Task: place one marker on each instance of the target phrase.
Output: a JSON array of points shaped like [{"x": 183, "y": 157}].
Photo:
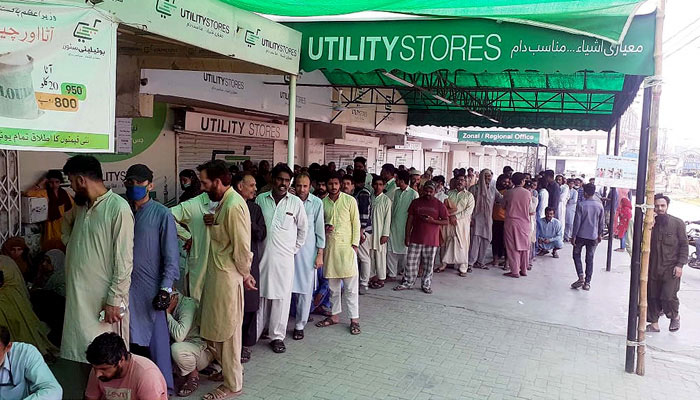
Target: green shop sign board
[
  {"x": 474, "y": 45},
  {"x": 529, "y": 138},
  {"x": 215, "y": 26}
]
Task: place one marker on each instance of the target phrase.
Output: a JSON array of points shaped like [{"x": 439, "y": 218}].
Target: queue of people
[{"x": 155, "y": 297}]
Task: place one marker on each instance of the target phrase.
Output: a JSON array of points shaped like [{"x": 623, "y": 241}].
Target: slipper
[
  {"x": 511, "y": 275},
  {"x": 355, "y": 328},
  {"x": 427, "y": 290},
  {"x": 650, "y": 328},
  {"x": 481, "y": 266},
  {"x": 221, "y": 393},
  {"x": 298, "y": 334},
  {"x": 326, "y": 322},
  {"x": 245, "y": 355},
  {"x": 401, "y": 287},
  {"x": 278, "y": 346},
  {"x": 187, "y": 388},
  {"x": 469, "y": 269},
  {"x": 463, "y": 274}
]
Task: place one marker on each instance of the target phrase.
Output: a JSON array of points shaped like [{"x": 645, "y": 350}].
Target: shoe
[
  {"x": 469, "y": 269},
  {"x": 278, "y": 346},
  {"x": 675, "y": 325},
  {"x": 586, "y": 286},
  {"x": 578, "y": 283},
  {"x": 555, "y": 255},
  {"x": 363, "y": 290},
  {"x": 427, "y": 290},
  {"x": 650, "y": 328}
]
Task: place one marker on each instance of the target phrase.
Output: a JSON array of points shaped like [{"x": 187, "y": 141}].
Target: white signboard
[
  {"x": 616, "y": 171},
  {"x": 123, "y": 133},
  {"x": 358, "y": 140},
  {"x": 216, "y": 26},
  {"x": 410, "y": 146},
  {"x": 57, "y": 78},
  {"x": 230, "y": 126},
  {"x": 266, "y": 93}
]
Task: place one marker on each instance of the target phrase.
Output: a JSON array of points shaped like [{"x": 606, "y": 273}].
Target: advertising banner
[
  {"x": 57, "y": 78},
  {"x": 616, "y": 171},
  {"x": 215, "y": 26},
  {"x": 222, "y": 125}
]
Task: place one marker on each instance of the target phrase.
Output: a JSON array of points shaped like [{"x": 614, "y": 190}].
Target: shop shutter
[
  {"x": 9, "y": 195},
  {"x": 194, "y": 150},
  {"x": 343, "y": 155},
  {"x": 400, "y": 157}
]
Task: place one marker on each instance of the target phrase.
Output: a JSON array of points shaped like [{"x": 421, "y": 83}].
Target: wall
[{"x": 153, "y": 145}]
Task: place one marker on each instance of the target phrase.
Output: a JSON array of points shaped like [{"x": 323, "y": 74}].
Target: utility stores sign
[
  {"x": 495, "y": 137},
  {"x": 230, "y": 126}
]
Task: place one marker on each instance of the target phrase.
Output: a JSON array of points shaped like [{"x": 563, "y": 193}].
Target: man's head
[
  {"x": 403, "y": 179},
  {"x": 215, "y": 178},
  {"x": 189, "y": 178},
  {"x": 302, "y": 185},
  {"x": 661, "y": 203},
  {"x": 549, "y": 175},
  {"x": 245, "y": 185},
  {"x": 360, "y": 164},
  {"x": 138, "y": 182},
  {"x": 320, "y": 189},
  {"x": 487, "y": 176},
  {"x": 378, "y": 185},
  {"x": 281, "y": 179},
  {"x": 548, "y": 213},
  {"x": 439, "y": 182},
  {"x": 428, "y": 190},
  {"x": 358, "y": 178},
  {"x": 388, "y": 172},
  {"x": 83, "y": 172},
  {"x": 108, "y": 356},
  {"x": 470, "y": 172},
  {"x": 518, "y": 179},
  {"x": 331, "y": 166},
  {"x": 588, "y": 190},
  {"x": 348, "y": 184},
  {"x": 560, "y": 180},
  {"x": 263, "y": 167},
  {"x": 592, "y": 181},
  {"x": 54, "y": 178},
  {"x": 534, "y": 184},
  {"x": 455, "y": 172},
  {"x": 570, "y": 183},
  {"x": 5, "y": 343},
  {"x": 460, "y": 183},
  {"x": 247, "y": 165},
  {"x": 333, "y": 184},
  {"x": 415, "y": 177},
  {"x": 508, "y": 170},
  {"x": 349, "y": 170}
]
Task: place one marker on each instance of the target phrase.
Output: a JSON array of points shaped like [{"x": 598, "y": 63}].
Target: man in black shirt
[{"x": 553, "y": 189}]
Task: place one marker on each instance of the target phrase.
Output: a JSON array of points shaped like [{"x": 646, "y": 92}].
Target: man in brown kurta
[
  {"x": 669, "y": 252},
  {"x": 227, "y": 273}
]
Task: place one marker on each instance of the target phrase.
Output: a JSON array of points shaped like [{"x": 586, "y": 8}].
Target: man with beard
[
  {"x": 99, "y": 238},
  {"x": 415, "y": 179},
  {"x": 388, "y": 173},
  {"x": 245, "y": 186},
  {"x": 310, "y": 257},
  {"x": 348, "y": 187},
  {"x": 484, "y": 193},
  {"x": 517, "y": 227},
  {"x": 228, "y": 271},
  {"x": 118, "y": 374},
  {"x": 361, "y": 165},
  {"x": 342, "y": 220},
  {"x": 460, "y": 205},
  {"x": 364, "y": 205},
  {"x": 319, "y": 187},
  {"x": 156, "y": 268},
  {"x": 669, "y": 252},
  {"x": 285, "y": 220}
]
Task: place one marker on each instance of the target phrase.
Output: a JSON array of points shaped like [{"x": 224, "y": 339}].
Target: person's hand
[
  {"x": 188, "y": 245},
  {"x": 406, "y": 242},
  {"x": 112, "y": 314},
  {"x": 383, "y": 239},
  {"x": 329, "y": 229},
  {"x": 173, "y": 303},
  {"x": 249, "y": 282},
  {"x": 453, "y": 220},
  {"x": 600, "y": 239},
  {"x": 319, "y": 261},
  {"x": 428, "y": 219},
  {"x": 363, "y": 237},
  {"x": 354, "y": 248},
  {"x": 677, "y": 272},
  {"x": 546, "y": 241},
  {"x": 209, "y": 219},
  {"x": 162, "y": 300}
]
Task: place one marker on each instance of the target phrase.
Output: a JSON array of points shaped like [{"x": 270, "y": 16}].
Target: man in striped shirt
[{"x": 364, "y": 204}]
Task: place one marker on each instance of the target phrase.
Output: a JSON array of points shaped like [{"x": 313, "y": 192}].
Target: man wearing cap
[
  {"x": 415, "y": 179},
  {"x": 156, "y": 268}
]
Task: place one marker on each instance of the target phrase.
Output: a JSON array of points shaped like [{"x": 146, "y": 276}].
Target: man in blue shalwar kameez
[{"x": 156, "y": 268}]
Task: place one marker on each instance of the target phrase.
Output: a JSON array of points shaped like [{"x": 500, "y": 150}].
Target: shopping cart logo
[
  {"x": 84, "y": 32},
  {"x": 251, "y": 38},
  {"x": 165, "y": 7}
]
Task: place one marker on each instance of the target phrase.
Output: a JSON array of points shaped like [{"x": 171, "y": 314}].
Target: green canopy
[{"x": 606, "y": 19}]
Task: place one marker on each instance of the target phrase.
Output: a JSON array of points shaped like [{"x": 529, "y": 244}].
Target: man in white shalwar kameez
[
  {"x": 460, "y": 205},
  {"x": 285, "y": 220},
  {"x": 310, "y": 257},
  {"x": 381, "y": 222},
  {"x": 485, "y": 194}
]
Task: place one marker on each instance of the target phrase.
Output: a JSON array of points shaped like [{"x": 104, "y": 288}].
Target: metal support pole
[
  {"x": 633, "y": 310},
  {"x": 613, "y": 201},
  {"x": 537, "y": 160},
  {"x": 546, "y": 153},
  {"x": 292, "y": 120}
]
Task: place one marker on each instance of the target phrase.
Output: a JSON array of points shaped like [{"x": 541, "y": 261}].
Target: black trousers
[
  {"x": 250, "y": 329},
  {"x": 662, "y": 295},
  {"x": 498, "y": 242}
]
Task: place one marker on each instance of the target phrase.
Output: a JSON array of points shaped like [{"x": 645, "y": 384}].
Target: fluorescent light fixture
[
  {"x": 444, "y": 100},
  {"x": 478, "y": 114},
  {"x": 397, "y": 79}
]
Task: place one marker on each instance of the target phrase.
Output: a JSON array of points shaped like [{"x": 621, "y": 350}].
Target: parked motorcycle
[{"x": 693, "y": 234}]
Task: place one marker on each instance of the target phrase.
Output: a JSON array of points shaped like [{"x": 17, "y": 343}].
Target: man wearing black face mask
[
  {"x": 156, "y": 268},
  {"x": 669, "y": 252}
]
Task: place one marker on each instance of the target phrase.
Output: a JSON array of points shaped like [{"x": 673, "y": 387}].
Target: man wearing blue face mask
[{"x": 156, "y": 268}]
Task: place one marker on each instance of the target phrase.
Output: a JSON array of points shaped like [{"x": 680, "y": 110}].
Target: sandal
[
  {"x": 469, "y": 269},
  {"x": 278, "y": 346},
  {"x": 512, "y": 275},
  {"x": 440, "y": 268},
  {"x": 401, "y": 287},
  {"x": 650, "y": 328},
  {"x": 427, "y": 290},
  {"x": 326, "y": 322},
  {"x": 355, "y": 328},
  {"x": 221, "y": 393},
  {"x": 463, "y": 274},
  {"x": 298, "y": 335},
  {"x": 245, "y": 354},
  {"x": 481, "y": 266},
  {"x": 187, "y": 388}
]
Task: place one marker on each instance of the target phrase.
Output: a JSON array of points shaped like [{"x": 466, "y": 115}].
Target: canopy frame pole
[
  {"x": 537, "y": 160},
  {"x": 613, "y": 201},
  {"x": 292, "y": 120},
  {"x": 655, "y": 83}
]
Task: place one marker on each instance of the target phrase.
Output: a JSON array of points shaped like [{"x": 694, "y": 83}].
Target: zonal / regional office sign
[{"x": 528, "y": 138}]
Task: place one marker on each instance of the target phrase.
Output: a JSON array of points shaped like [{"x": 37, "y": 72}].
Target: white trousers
[
  {"x": 477, "y": 251},
  {"x": 351, "y": 289},
  {"x": 275, "y": 313},
  {"x": 189, "y": 357},
  {"x": 364, "y": 260},
  {"x": 303, "y": 310},
  {"x": 395, "y": 263},
  {"x": 378, "y": 266}
]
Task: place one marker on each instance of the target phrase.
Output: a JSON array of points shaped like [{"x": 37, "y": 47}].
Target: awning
[
  {"x": 607, "y": 19},
  {"x": 477, "y": 72}
]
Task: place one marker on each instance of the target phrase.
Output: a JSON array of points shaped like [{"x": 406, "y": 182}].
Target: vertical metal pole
[
  {"x": 537, "y": 160},
  {"x": 546, "y": 153},
  {"x": 633, "y": 310},
  {"x": 613, "y": 201},
  {"x": 292, "y": 120}
]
